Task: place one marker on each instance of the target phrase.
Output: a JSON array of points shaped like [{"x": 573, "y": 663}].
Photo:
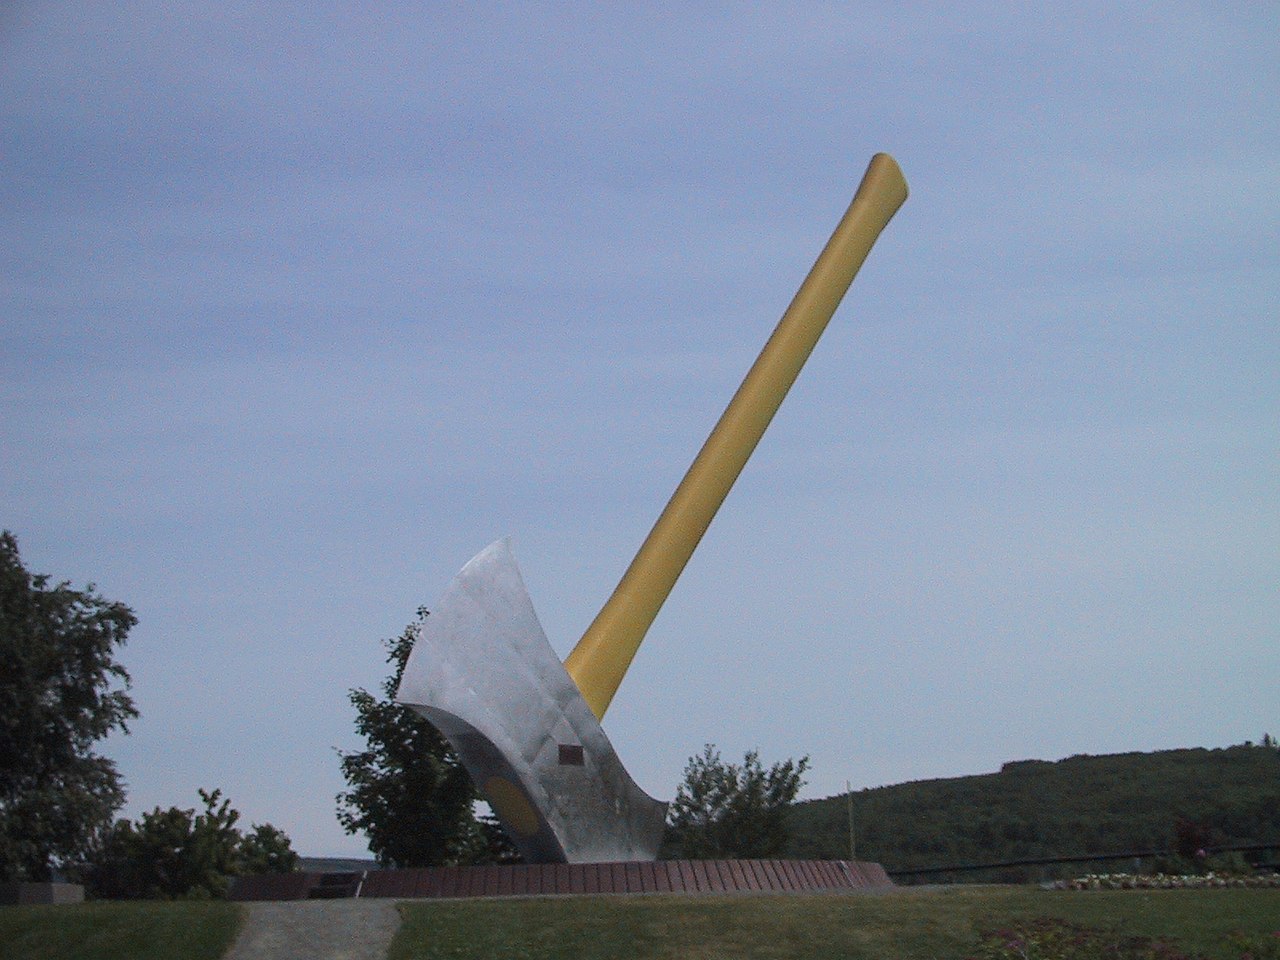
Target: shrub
[{"x": 177, "y": 854}]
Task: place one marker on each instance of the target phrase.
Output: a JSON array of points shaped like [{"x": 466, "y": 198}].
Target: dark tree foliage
[
  {"x": 178, "y": 854},
  {"x": 61, "y": 691},
  {"x": 266, "y": 849},
  {"x": 407, "y": 791},
  {"x": 733, "y": 810}
]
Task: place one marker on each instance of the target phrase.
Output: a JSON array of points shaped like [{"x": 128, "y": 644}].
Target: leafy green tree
[
  {"x": 407, "y": 792},
  {"x": 733, "y": 810},
  {"x": 179, "y": 854},
  {"x": 266, "y": 849},
  {"x": 61, "y": 691}
]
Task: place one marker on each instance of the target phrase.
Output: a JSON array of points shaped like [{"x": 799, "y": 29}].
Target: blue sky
[{"x": 304, "y": 304}]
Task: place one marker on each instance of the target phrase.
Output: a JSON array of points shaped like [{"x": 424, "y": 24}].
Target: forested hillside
[{"x": 1036, "y": 808}]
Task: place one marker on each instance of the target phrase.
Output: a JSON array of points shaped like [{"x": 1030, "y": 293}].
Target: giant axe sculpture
[{"x": 525, "y": 726}]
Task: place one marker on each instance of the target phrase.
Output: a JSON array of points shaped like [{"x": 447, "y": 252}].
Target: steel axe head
[{"x": 483, "y": 673}]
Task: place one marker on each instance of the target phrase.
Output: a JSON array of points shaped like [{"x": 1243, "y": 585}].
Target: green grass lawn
[
  {"x": 896, "y": 926},
  {"x": 119, "y": 931},
  {"x": 902, "y": 924}
]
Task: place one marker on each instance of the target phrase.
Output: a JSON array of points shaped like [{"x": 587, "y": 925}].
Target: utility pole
[{"x": 853, "y": 847}]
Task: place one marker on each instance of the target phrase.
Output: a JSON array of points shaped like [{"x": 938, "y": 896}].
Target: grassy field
[
  {"x": 119, "y": 931},
  {"x": 896, "y": 926}
]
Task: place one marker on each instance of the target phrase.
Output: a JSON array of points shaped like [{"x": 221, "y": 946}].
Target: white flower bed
[{"x": 1164, "y": 881}]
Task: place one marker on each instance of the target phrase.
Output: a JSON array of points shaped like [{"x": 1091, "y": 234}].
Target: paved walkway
[{"x": 316, "y": 930}]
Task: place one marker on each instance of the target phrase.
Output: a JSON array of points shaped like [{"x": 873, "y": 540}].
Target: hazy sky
[{"x": 304, "y": 304}]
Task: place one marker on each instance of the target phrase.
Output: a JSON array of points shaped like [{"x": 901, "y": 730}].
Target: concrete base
[
  {"x": 559, "y": 879},
  {"x": 31, "y": 893}
]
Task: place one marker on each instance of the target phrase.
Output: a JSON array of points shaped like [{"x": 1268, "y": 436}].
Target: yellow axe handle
[{"x": 601, "y": 658}]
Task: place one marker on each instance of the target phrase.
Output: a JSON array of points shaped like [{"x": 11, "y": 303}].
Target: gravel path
[{"x": 317, "y": 930}]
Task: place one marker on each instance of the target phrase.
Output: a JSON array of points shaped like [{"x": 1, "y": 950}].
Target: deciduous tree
[
  {"x": 266, "y": 849},
  {"x": 407, "y": 792},
  {"x": 733, "y": 810},
  {"x": 61, "y": 691}
]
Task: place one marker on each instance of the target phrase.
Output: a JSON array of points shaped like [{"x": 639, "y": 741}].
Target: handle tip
[{"x": 884, "y": 182}]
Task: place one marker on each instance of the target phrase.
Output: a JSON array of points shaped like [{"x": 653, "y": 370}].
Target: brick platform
[{"x": 560, "y": 879}]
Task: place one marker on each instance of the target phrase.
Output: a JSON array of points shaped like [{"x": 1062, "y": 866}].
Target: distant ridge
[
  {"x": 1037, "y": 808},
  {"x": 337, "y": 864}
]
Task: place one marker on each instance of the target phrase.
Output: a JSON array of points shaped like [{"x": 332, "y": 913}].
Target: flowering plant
[{"x": 1164, "y": 881}]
